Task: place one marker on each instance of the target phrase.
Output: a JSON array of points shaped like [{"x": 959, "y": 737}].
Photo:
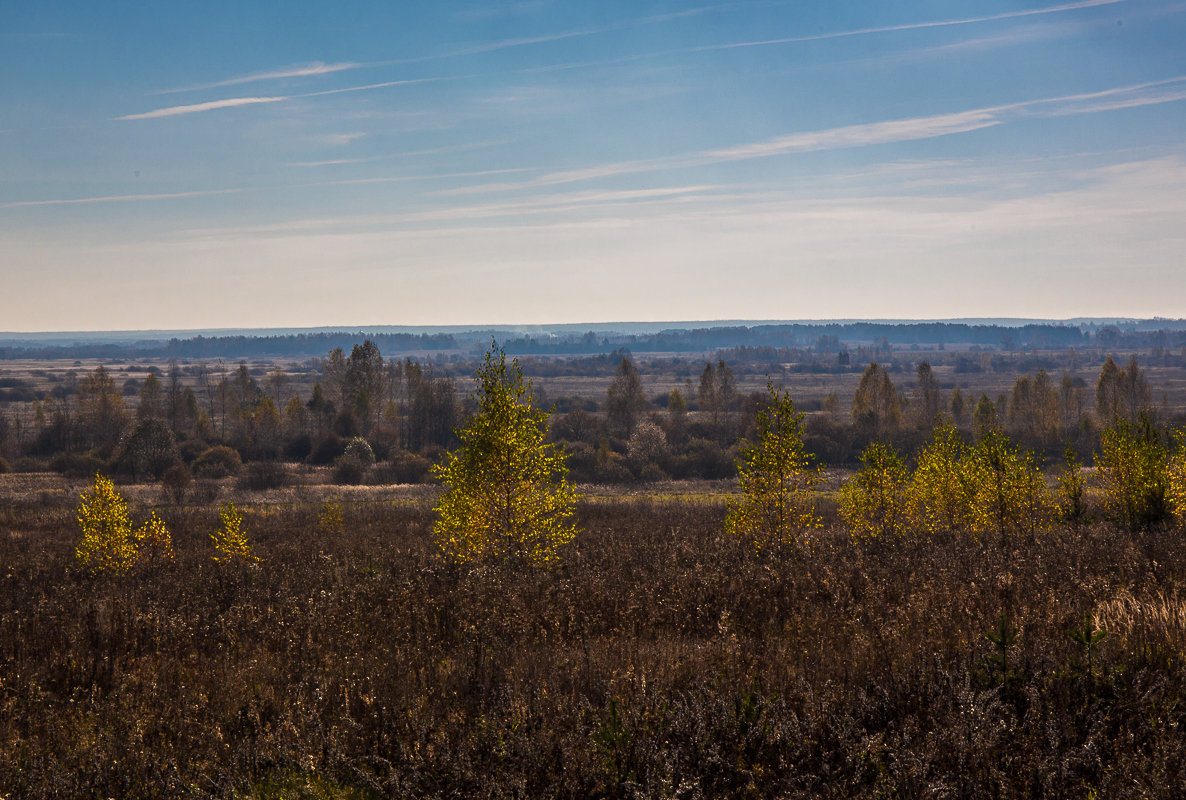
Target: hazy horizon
[{"x": 571, "y": 328}]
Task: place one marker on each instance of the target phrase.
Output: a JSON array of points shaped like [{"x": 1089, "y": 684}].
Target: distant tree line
[
  {"x": 818, "y": 339},
  {"x": 387, "y": 420}
]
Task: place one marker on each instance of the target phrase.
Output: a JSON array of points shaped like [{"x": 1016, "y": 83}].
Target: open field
[{"x": 662, "y": 659}]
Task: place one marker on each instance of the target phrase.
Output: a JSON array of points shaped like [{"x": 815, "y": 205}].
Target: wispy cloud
[
  {"x": 427, "y": 177},
  {"x": 493, "y": 10},
  {"x": 339, "y": 139},
  {"x": 385, "y": 84},
  {"x": 195, "y": 108},
  {"x": 899, "y": 130},
  {"x": 117, "y": 198},
  {"x": 708, "y": 48},
  {"x": 1169, "y": 90},
  {"x": 431, "y": 151},
  {"x": 305, "y": 71},
  {"x": 320, "y": 68},
  {"x": 910, "y": 26},
  {"x": 234, "y": 102},
  {"x": 873, "y": 133},
  {"x": 505, "y": 44}
]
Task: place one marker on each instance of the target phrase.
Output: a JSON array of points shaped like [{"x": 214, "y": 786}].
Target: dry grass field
[{"x": 662, "y": 659}]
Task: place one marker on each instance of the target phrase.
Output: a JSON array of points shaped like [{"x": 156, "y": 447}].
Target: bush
[
  {"x": 358, "y": 449},
  {"x": 406, "y": 467},
  {"x": 29, "y": 464},
  {"x": 326, "y": 448},
  {"x": 77, "y": 465},
  {"x": 299, "y": 448},
  {"x": 582, "y": 461},
  {"x": 205, "y": 492},
  {"x": 349, "y": 472},
  {"x": 192, "y": 449},
  {"x": 218, "y": 462},
  {"x": 5, "y": 467},
  {"x": 174, "y": 483},
  {"x": 614, "y": 470},
  {"x": 263, "y": 475},
  {"x": 706, "y": 459},
  {"x": 652, "y": 473}
]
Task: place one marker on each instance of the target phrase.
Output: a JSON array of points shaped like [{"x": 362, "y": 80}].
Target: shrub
[
  {"x": 407, "y": 467},
  {"x": 5, "y": 467},
  {"x": 29, "y": 464},
  {"x": 175, "y": 481},
  {"x": 230, "y": 540},
  {"x": 191, "y": 449},
  {"x": 218, "y": 462},
  {"x": 326, "y": 448},
  {"x": 1009, "y": 495},
  {"x": 356, "y": 459},
  {"x": 940, "y": 492},
  {"x": 148, "y": 449},
  {"x": 263, "y": 475},
  {"x": 349, "y": 472},
  {"x": 299, "y": 447},
  {"x": 77, "y": 465},
  {"x": 358, "y": 449},
  {"x": 106, "y": 544}
]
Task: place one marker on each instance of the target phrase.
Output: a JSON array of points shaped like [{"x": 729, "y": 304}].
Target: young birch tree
[
  {"x": 775, "y": 476},
  {"x": 507, "y": 496}
]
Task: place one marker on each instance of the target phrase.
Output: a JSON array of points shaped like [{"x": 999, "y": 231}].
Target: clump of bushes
[
  {"x": 260, "y": 476},
  {"x": 218, "y": 462},
  {"x": 351, "y": 467}
]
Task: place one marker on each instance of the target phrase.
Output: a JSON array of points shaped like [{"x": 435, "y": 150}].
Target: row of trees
[
  {"x": 1037, "y": 413},
  {"x": 508, "y": 497},
  {"x": 507, "y": 494},
  {"x": 364, "y": 409}
]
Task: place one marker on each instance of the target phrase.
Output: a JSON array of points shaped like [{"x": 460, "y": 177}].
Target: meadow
[{"x": 661, "y": 658}]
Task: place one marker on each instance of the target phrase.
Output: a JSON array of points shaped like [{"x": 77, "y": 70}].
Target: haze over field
[{"x": 230, "y": 165}]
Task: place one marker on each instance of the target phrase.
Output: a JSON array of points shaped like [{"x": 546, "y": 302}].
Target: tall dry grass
[{"x": 662, "y": 660}]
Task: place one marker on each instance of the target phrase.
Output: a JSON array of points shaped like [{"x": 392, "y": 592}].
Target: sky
[{"x": 256, "y": 164}]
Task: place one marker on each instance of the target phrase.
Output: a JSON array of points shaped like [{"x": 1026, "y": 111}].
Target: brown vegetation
[{"x": 662, "y": 658}]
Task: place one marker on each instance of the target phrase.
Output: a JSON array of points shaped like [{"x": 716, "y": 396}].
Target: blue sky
[{"x": 170, "y": 165}]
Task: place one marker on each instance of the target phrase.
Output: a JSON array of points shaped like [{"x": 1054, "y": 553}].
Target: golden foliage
[
  {"x": 330, "y": 519},
  {"x": 1176, "y": 478},
  {"x": 1009, "y": 495},
  {"x": 775, "y": 477},
  {"x": 108, "y": 543},
  {"x": 230, "y": 541},
  {"x": 507, "y": 495},
  {"x": 873, "y": 502},
  {"x": 990, "y": 488},
  {"x": 1133, "y": 468},
  {"x": 941, "y": 488},
  {"x": 153, "y": 540}
]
